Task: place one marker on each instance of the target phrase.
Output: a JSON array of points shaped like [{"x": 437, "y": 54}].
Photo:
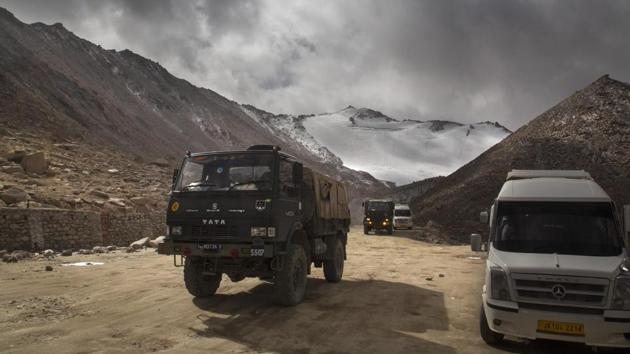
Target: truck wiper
[
  {"x": 199, "y": 184},
  {"x": 248, "y": 182}
]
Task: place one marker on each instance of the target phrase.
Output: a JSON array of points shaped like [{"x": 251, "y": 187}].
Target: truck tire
[
  {"x": 489, "y": 336},
  {"x": 366, "y": 230},
  {"x": 333, "y": 268},
  {"x": 290, "y": 283},
  {"x": 390, "y": 230},
  {"x": 198, "y": 284}
]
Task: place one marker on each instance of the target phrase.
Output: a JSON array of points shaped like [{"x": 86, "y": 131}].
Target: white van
[
  {"x": 557, "y": 265},
  {"x": 402, "y": 217}
]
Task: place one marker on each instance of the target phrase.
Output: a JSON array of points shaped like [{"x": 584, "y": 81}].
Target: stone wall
[
  {"x": 34, "y": 228},
  {"x": 123, "y": 229},
  {"x": 48, "y": 228}
]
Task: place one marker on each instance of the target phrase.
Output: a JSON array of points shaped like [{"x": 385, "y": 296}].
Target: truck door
[{"x": 289, "y": 196}]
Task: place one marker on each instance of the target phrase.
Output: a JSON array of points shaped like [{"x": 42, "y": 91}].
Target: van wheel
[
  {"x": 489, "y": 336},
  {"x": 333, "y": 268},
  {"x": 198, "y": 284},
  {"x": 290, "y": 284}
]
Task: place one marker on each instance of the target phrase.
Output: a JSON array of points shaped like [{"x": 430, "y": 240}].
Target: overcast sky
[{"x": 467, "y": 61}]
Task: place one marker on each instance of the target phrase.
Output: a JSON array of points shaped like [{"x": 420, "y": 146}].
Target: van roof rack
[{"x": 524, "y": 174}]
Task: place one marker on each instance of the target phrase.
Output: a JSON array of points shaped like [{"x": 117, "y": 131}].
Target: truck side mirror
[
  {"x": 175, "y": 174},
  {"x": 626, "y": 222},
  {"x": 484, "y": 217}
]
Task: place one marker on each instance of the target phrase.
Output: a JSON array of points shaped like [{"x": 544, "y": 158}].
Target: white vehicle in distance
[
  {"x": 557, "y": 264},
  {"x": 402, "y": 217}
]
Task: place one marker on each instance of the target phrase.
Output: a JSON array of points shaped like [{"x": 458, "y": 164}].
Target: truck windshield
[
  {"x": 245, "y": 172},
  {"x": 378, "y": 206},
  {"x": 587, "y": 229},
  {"x": 402, "y": 212}
]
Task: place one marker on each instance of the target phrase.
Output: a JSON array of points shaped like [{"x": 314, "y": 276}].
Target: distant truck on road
[
  {"x": 557, "y": 265},
  {"x": 379, "y": 215},
  {"x": 255, "y": 213},
  {"x": 402, "y": 217}
]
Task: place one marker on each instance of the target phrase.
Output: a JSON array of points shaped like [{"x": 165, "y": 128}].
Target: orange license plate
[{"x": 566, "y": 328}]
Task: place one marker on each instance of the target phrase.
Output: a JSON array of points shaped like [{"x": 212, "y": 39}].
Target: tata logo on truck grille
[
  {"x": 261, "y": 205},
  {"x": 558, "y": 291},
  {"x": 213, "y": 221}
]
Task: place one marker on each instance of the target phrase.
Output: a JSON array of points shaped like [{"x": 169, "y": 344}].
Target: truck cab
[
  {"x": 255, "y": 213},
  {"x": 402, "y": 217},
  {"x": 379, "y": 216},
  {"x": 557, "y": 265}
]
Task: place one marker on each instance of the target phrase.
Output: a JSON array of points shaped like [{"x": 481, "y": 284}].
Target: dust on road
[{"x": 398, "y": 295}]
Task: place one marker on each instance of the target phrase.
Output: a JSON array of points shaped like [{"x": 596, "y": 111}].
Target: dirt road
[{"x": 398, "y": 295}]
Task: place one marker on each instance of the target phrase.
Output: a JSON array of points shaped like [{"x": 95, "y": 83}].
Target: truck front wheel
[
  {"x": 333, "y": 268},
  {"x": 488, "y": 335},
  {"x": 366, "y": 229},
  {"x": 290, "y": 283},
  {"x": 199, "y": 284}
]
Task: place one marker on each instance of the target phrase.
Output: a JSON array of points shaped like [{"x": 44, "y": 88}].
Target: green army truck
[
  {"x": 255, "y": 213},
  {"x": 378, "y": 216}
]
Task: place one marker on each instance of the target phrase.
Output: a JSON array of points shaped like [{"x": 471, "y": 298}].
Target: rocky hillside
[
  {"x": 589, "y": 130},
  {"x": 40, "y": 172}
]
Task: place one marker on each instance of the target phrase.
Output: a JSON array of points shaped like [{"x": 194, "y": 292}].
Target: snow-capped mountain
[{"x": 394, "y": 150}]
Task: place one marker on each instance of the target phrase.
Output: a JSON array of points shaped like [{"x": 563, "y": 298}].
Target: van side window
[{"x": 286, "y": 177}]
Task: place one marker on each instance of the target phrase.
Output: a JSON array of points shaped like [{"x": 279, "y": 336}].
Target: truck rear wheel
[
  {"x": 290, "y": 283},
  {"x": 199, "y": 284},
  {"x": 488, "y": 335},
  {"x": 333, "y": 268}
]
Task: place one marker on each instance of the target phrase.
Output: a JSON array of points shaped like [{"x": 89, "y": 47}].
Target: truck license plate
[
  {"x": 212, "y": 247},
  {"x": 572, "y": 329},
  {"x": 257, "y": 252}
]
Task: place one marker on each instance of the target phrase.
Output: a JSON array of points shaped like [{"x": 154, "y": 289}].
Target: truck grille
[
  {"x": 214, "y": 231},
  {"x": 558, "y": 289}
]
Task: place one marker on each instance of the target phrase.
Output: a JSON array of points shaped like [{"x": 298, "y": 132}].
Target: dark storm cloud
[{"x": 463, "y": 60}]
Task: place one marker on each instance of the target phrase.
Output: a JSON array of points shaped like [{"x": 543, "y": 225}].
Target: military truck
[
  {"x": 379, "y": 216},
  {"x": 255, "y": 213}
]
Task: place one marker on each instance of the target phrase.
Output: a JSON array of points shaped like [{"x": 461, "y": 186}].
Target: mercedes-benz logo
[{"x": 558, "y": 291}]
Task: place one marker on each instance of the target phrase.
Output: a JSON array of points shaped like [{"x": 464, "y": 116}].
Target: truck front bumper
[
  {"x": 231, "y": 250},
  {"x": 609, "y": 329}
]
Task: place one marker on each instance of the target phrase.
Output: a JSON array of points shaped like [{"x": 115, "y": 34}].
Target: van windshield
[
  {"x": 402, "y": 212},
  {"x": 586, "y": 229},
  {"x": 245, "y": 172}
]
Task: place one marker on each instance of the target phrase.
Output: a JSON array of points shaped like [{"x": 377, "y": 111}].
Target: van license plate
[
  {"x": 212, "y": 247},
  {"x": 567, "y": 328}
]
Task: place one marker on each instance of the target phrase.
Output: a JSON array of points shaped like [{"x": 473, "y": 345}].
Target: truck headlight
[
  {"x": 259, "y": 231},
  {"x": 176, "y": 230},
  {"x": 621, "y": 296},
  {"x": 499, "y": 284}
]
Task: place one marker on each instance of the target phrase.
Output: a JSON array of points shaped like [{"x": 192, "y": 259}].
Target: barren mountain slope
[{"x": 590, "y": 130}]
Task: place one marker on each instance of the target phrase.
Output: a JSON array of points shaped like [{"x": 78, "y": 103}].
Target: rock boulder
[
  {"x": 14, "y": 195},
  {"x": 35, "y": 163}
]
